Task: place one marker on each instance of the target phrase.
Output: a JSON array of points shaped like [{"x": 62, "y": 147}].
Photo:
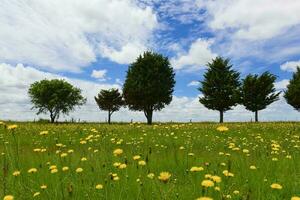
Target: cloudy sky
[{"x": 91, "y": 43}]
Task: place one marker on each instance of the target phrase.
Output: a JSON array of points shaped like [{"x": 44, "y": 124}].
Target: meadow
[{"x": 164, "y": 161}]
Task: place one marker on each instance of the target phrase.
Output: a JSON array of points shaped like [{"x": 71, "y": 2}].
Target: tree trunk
[
  {"x": 221, "y": 116},
  {"x": 52, "y": 117},
  {"x": 149, "y": 114},
  {"x": 256, "y": 116},
  {"x": 109, "y": 115}
]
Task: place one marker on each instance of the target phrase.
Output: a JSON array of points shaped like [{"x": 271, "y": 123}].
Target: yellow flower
[
  {"x": 207, "y": 183},
  {"x": 217, "y": 188},
  {"x": 216, "y": 179},
  {"x": 204, "y": 198},
  {"x": 2, "y": 123},
  {"x": 52, "y": 167},
  {"x": 12, "y": 127},
  {"x": 137, "y": 157},
  {"x": 44, "y": 133},
  {"x": 36, "y": 194},
  {"x": 122, "y": 166},
  {"x": 16, "y": 173},
  {"x": 8, "y": 197},
  {"x": 99, "y": 186},
  {"x": 252, "y": 167},
  {"x": 32, "y": 170},
  {"x": 116, "y": 178},
  {"x": 83, "y": 159},
  {"x": 43, "y": 187},
  {"x": 276, "y": 186},
  {"x": 150, "y": 175},
  {"x": 227, "y": 173},
  {"x": 142, "y": 162},
  {"x": 79, "y": 170},
  {"x": 164, "y": 176},
  {"x": 65, "y": 169},
  {"x": 118, "y": 152},
  {"x": 245, "y": 151},
  {"x": 196, "y": 169},
  {"x": 53, "y": 171},
  {"x": 295, "y": 198},
  {"x": 116, "y": 164},
  {"x": 236, "y": 192},
  {"x": 222, "y": 128}
]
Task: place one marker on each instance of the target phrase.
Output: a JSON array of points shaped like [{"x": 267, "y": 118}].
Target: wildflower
[
  {"x": 207, "y": 175},
  {"x": 53, "y": 171},
  {"x": 137, "y": 157},
  {"x": 276, "y": 186},
  {"x": 99, "y": 187},
  {"x": 83, "y": 159},
  {"x": 150, "y": 175},
  {"x": 70, "y": 151},
  {"x": 222, "y": 128},
  {"x": 164, "y": 176},
  {"x": 12, "y": 127},
  {"x": 245, "y": 151},
  {"x": 191, "y": 154},
  {"x": 52, "y": 167},
  {"x": 204, "y": 198},
  {"x": 36, "y": 194},
  {"x": 181, "y": 148},
  {"x": 196, "y": 169},
  {"x": 118, "y": 152},
  {"x": 44, "y": 133},
  {"x": 32, "y": 170},
  {"x": 252, "y": 167},
  {"x": 142, "y": 162},
  {"x": 122, "y": 166},
  {"x": 63, "y": 155},
  {"x": 43, "y": 187},
  {"x": 207, "y": 183},
  {"x": 236, "y": 192},
  {"x": 8, "y": 197},
  {"x": 79, "y": 170},
  {"x": 217, "y": 188},
  {"x": 65, "y": 169},
  {"x": 295, "y": 198},
  {"x": 16, "y": 173},
  {"x": 216, "y": 179},
  {"x": 227, "y": 173}
]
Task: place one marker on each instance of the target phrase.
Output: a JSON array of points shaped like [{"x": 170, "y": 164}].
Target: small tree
[
  {"x": 292, "y": 94},
  {"x": 220, "y": 87},
  {"x": 55, "y": 96},
  {"x": 258, "y": 92},
  {"x": 109, "y": 100},
  {"x": 149, "y": 84}
]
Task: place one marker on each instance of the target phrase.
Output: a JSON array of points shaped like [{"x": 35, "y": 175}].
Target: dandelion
[
  {"x": 118, "y": 152},
  {"x": 8, "y": 197},
  {"x": 151, "y": 175},
  {"x": 142, "y": 162},
  {"x": 227, "y": 173},
  {"x": 52, "y": 167},
  {"x": 36, "y": 194},
  {"x": 295, "y": 198},
  {"x": 196, "y": 169},
  {"x": 276, "y": 186},
  {"x": 79, "y": 170},
  {"x": 252, "y": 167},
  {"x": 137, "y": 157},
  {"x": 32, "y": 170},
  {"x": 222, "y": 128},
  {"x": 217, "y": 188},
  {"x": 99, "y": 186},
  {"x": 122, "y": 166},
  {"x": 204, "y": 198},
  {"x": 164, "y": 176},
  {"x": 12, "y": 127},
  {"x": 236, "y": 192},
  {"x": 207, "y": 183},
  {"x": 216, "y": 179},
  {"x": 245, "y": 151},
  {"x": 83, "y": 159},
  {"x": 65, "y": 168},
  {"x": 43, "y": 187},
  {"x": 16, "y": 173},
  {"x": 44, "y": 133},
  {"x": 53, "y": 171},
  {"x": 63, "y": 155}
]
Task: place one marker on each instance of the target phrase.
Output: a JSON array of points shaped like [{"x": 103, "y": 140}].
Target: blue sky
[{"x": 91, "y": 44}]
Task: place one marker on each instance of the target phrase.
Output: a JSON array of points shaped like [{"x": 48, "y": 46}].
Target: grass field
[{"x": 96, "y": 161}]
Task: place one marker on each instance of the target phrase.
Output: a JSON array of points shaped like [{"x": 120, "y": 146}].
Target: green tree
[
  {"x": 220, "y": 87},
  {"x": 55, "y": 96},
  {"x": 258, "y": 92},
  {"x": 149, "y": 84},
  {"x": 292, "y": 94},
  {"x": 109, "y": 100}
]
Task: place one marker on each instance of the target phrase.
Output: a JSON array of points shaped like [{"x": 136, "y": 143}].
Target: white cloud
[
  {"x": 197, "y": 57},
  {"x": 254, "y": 19},
  {"x": 281, "y": 85},
  {"x": 65, "y": 35},
  {"x": 99, "y": 74},
  {"x": 194, "y": 83},
  {"x": 290, "y": 66}
]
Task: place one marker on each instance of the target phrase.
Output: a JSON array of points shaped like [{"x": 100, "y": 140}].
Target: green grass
[{"x": 159, "y": 146}]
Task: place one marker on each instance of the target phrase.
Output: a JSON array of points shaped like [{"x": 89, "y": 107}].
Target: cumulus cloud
[
  {"x": 290, "y": 66},
  {"x": 196, "y": 58},
  {"x": 193, "y": 83},
  {"x": 66, "y": 35},
  {"x": 99, "y": 74},
  {"x": 281, "y": 85}
]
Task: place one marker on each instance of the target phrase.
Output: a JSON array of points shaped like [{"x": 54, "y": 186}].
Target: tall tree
[
  {"x": 109, "y": 100},
  {"x": 292, "y": 94},
  {"x": 55, "y": 96},
  {"x": 149, "y": 84},
  {"x": 258, "y": 92},
  {"x": 220, "y": 87}
]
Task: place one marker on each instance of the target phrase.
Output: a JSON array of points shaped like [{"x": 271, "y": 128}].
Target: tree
[
  {"x": 258, "y": 92},
  {"x": 292, "y": 94},
  {"x": 109, "y": 100},
  {"x": 220, "y": 87},
  {"x": 149, "y": 84},
  {"x": 55, "y": 96}
]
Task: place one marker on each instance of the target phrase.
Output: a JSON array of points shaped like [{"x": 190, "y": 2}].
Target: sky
[{"x": 91, "y": 44}]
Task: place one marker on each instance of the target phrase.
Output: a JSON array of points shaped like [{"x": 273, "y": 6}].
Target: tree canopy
[
  {"x": 55, "y": 96},
  {"x": 109, "y": 100},
  {"x": 258, "y": 92},
  {"x": 220, "y": 87},
  {"x": 292, "y": 94},
  {"x": 149, "y": 84}
]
